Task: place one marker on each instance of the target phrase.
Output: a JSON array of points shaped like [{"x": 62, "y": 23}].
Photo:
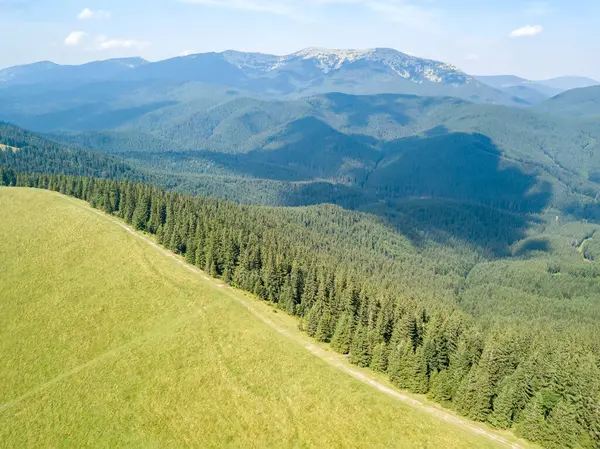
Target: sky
[{"x": 535, "y": 39}]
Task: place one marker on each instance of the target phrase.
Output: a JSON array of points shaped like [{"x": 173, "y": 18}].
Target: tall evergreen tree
[{"x": 360, "y": 349}]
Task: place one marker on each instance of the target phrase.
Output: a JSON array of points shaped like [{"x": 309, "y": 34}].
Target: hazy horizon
[{"x": 531, "y": 39}]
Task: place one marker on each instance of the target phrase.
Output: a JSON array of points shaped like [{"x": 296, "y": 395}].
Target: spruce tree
[
  {"x": 342, "y": 336},
  {"x": 360, "y": 349},
  {"x": 441, "y": 387},
  {"x": 313, "y": 318},
  {"x": 141, "y": 213},
  {"x": 379, "y": 361},
  {"x": 323, "y": 332}
]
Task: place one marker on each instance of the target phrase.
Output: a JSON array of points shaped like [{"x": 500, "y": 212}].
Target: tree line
[{"x": 350, "y": 286}]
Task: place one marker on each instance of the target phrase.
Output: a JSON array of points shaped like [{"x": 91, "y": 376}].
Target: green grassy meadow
[{"x": 106, "y": 342}]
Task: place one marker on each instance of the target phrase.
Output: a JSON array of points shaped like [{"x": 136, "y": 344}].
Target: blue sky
[{"x": 535, "y": 39}]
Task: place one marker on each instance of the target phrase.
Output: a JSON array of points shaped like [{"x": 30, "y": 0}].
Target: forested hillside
[
  {"x": 574, "y": 103},
  {"x": 338, "y": 148},
  {"x": 381, "y": 154},
  {"x": 512, "y": 342},
  {"x": 477, "y": 173},
  {"x": 26, "y": 152}
]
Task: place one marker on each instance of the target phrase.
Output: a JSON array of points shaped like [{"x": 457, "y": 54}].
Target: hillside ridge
[
  {"x": 176, "y": 340},
  {"x": 324, "y": 354},
  {"x": 389, "y": 330}
]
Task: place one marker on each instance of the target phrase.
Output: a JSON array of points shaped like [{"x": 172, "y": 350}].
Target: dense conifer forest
[
  {"x": 27, "y": 152},
  {"x": 512, "y": 342}
]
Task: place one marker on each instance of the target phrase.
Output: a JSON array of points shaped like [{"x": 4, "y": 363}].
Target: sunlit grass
[{"x": 105, "y": 342}]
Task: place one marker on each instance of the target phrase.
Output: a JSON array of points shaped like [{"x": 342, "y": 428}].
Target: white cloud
[
  {"x": 527, "y": 31},
  {"x": 105, "y": 43},
  {"x": 87, "y": 14},
  {"x": 75, "y": 38},
  {"x": 471, "y": 57}
]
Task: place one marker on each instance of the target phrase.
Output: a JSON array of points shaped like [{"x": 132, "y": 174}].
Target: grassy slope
[{"x": 106, "y": 342}]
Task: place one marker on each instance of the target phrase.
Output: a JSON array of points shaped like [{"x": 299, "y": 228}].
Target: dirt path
[{"x": 320, "y": 353}]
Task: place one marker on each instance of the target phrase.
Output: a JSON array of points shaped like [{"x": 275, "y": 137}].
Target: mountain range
[
  {"x": 294, "y": 127},
  {"x": 47, "y": 72},
  {"x": 536, "y": 91},
  {"x": 581, "y": 102},
  {"x": 307, "y": 72}
]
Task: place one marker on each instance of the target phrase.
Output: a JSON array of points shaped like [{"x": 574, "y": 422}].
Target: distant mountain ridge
[
  {"x": 531, "y": 90},
  {"x": 47, "y": 72},
  {"x": 569, "y": 82},
  {"x": 405, "y": 66},
  {"x": 306, "y": 72},
  {"x": 581, "y": 102},
  {"x": 303, "y": 73}
]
